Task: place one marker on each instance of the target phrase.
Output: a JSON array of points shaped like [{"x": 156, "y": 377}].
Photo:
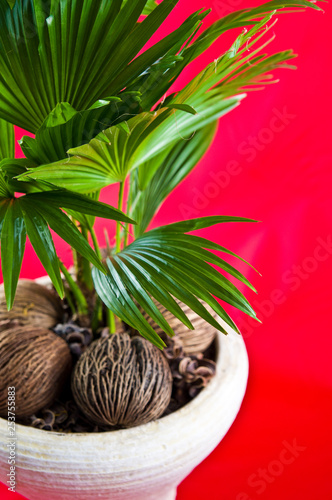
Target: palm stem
[
  {"x": 97, "y": 312},
  {"x": 95, "y": 243},
  {"x": 118, "y": 224},
  {"x": 111, "y": 321},
  {"x": 110, "y": 315},
  {"x": 85, "y": 265},
  {"x": 82, "y": 305},
  {"x": 129, "y": 201}
]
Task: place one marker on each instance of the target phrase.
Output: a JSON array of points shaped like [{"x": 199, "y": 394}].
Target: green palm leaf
[
  {"x": 118, "y": 150},
  {"x": 147, "y": 196},
  {"x": 73, "y": 50},
  {"x": 80, "y": 203},
  {"x": 13, "y": 236},
  {"x": 7, "y": 140},
  {"x": 4, "y": 188},
  {"x": 42, "y": 242},
  {"x": 147, "y": 137},
  {"x": 149, "y": 7},
  {"x": 33, "y": 215},
  {"x": 165, "y": 263},
  {"x": 176, "y": 61},
  {"x": 66, "y": 128}
]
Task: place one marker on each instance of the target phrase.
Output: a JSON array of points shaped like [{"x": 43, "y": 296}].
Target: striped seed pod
[
  {"x": 34, "y": 305},
  {"x": 36, "y": 362},
  {"x": 122, "y": 381}
]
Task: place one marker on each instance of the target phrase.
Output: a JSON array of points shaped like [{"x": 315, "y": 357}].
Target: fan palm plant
[{"x": 76, "y": 75}]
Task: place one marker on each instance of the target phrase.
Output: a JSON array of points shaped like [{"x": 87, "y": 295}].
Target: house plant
[{"x": 45, "y": 81}]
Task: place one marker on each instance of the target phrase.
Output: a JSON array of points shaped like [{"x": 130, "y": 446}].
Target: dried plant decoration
[
  {"x": 36, "y": 362},
  {"x": 77, "y": 338},
  {"x": 61, "y": 416},
  {"x": 122, "y": 381},
  {"x": 34, "y": 305}
]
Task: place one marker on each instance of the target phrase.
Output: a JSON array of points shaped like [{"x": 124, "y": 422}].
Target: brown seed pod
[
  {"x": 192, "y": 341},
  {"x": 34, "y": 305},
  {"x": 36, "y": 362},
  {"x": 122, "y": 381}
]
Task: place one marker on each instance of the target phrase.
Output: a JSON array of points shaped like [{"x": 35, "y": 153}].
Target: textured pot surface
[{"x": 142, "y": 463}]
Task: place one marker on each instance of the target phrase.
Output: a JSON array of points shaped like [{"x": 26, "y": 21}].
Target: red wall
[{"x": 272, "y": 158}]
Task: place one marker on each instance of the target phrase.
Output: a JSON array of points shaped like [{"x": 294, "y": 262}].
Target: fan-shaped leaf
[
  {"x": 114, "y": 294},
  {"x": 75, "y": 51},
  {"x": 152, "y": 92},
  {"x": 113, "y": 154},
  {"x": 120, "y": 149},
  {"x": 66, "y": 128},
  {"x": 166, "y": 262}
]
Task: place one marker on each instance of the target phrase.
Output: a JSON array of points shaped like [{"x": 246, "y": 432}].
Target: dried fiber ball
[
  {"x": 192, "y": 341},
  {"x": 34, "y": 304},
  {"x": 36, "y": 362},
  {"x": 122, "y": 381}
]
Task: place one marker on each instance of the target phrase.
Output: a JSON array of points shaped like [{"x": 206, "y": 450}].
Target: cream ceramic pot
[{"x": 142, "y": 463}]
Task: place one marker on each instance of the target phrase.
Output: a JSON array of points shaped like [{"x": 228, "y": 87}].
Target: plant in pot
[{"x": 109, "y": 353}]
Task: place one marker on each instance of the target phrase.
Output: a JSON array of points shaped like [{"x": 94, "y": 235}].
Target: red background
[{"x": 284, "y": 181}]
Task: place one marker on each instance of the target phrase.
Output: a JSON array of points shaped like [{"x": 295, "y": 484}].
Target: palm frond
[
  {"x": 215, "y": 91},
  {"x": 147, "y": 194},
  {"x": 73, "y": 50},
  {"x": 65, "y": 128},
  {"x": 34, "y": 215},
  {"x": 158, "y": 78},
  {"x": 165, "y": 263}
]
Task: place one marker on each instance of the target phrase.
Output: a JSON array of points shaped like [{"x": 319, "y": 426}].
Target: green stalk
[
  {"x": 74, "y": 252},
  {"x": 95, "y": 243},
  {"x": 82, "y": 305},
  {"x": 97, "y": 313},
  {"x": 85, "y": 265},
  {"x": 111, "y": 321},
  {"x": 110, "y": 315},
  {"x": 75, "y": 260},
  {"x": 118, "y": 224},
  {"x": 129, "y": 201}
]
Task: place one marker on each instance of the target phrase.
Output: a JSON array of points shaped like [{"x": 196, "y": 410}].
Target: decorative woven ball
[
  {"x": 34, "y": 305},
  {"x": 192, "y": 341},
  {"x": 122, "y": 381},
  {"x": 36, "y": 362}
]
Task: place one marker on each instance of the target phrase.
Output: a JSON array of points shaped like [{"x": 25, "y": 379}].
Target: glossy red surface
[{"x": 271, "y": 161}]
